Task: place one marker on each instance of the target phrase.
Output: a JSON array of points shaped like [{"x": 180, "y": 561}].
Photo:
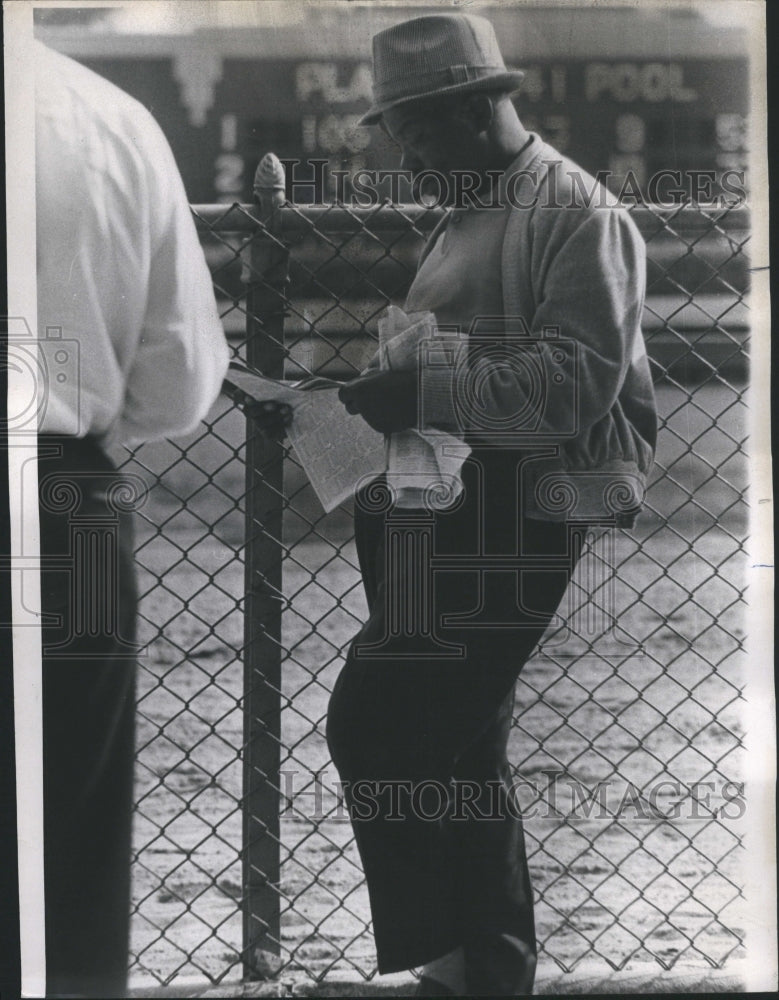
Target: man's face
[{"x": 430, "y": 137}]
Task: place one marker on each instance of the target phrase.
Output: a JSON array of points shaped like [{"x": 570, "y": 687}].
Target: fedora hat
[{"x": 433, "y": 56}]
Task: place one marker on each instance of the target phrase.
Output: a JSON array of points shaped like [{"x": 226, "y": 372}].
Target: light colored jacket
[{"x": 574, "y": 272}]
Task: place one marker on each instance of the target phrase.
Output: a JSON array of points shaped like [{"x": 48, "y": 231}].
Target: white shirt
[{"x": 120, "y": 268}]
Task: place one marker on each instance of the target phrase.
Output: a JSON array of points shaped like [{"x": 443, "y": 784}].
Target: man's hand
[{"x": 385, "y": 400}]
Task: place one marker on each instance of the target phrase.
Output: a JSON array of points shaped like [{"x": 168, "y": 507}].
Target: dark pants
[
  {"x": 407, "y": 714},
  {"x": 88, "y": 589}
]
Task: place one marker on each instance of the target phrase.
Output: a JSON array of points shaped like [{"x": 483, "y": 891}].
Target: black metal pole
[{"x": 268, "y": 263}]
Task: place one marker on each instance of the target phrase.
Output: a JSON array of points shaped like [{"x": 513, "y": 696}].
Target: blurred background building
[{"x": 617, "y": 88}]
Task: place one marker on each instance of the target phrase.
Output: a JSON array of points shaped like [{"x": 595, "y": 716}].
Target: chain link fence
[{"x": 627, "y": 740}]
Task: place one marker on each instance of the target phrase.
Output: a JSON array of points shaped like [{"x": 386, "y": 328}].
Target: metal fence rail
[{"x": 627, "y": 739}]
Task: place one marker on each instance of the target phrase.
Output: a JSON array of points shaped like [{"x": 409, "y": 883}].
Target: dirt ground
[{"x": 625, "y": 884}]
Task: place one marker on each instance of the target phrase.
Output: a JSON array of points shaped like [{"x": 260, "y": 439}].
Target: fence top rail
[{"x": 337, "y": 218}]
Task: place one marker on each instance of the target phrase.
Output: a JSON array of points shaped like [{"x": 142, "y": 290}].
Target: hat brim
[{"x": 509, "y": 82}]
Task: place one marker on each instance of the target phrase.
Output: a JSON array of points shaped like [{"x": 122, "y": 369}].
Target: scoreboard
[{"x": 682, "y": 122}]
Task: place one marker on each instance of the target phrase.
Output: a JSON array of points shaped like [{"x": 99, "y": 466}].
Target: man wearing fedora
[{"x": 539, "y": 281}]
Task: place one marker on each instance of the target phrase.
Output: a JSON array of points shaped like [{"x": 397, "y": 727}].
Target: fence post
[{"x": 263, "y": 594}]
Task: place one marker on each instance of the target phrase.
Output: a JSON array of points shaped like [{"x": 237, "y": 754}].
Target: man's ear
[{"x": 476, "y": 112}]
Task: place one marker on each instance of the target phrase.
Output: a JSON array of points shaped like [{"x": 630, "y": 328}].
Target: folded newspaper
[
  {"x": 339, "y": 452},
  {"x": 424, "y": 465}
]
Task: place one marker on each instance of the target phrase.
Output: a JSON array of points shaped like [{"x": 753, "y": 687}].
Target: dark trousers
[
  {"x": 409, "y": 720},
  {"x": 89, "y": 600}
]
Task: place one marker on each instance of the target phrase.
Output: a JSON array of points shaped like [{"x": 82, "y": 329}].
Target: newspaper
[
  {"x": 423, "y": 465},
  {"x": 339, "y": 452}
]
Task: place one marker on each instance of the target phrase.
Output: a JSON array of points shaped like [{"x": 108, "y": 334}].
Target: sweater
[{"x": 571, "y": 386}]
